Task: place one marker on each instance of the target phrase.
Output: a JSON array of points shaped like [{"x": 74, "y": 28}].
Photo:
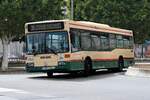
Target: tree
[
  {"x": 15, "y": 13},
  {"x": 36, "y": 10},
  {"x": 128, "y": 14},
  {"x": 8, "y": 26}
]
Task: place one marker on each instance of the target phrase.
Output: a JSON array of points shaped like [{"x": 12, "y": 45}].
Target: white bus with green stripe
[{"x": 62, "y": 46}]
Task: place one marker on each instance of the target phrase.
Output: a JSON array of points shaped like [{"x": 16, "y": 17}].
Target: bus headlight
[
  {"x": 30, "y": 64},
  {"x": 61, "y": 63},
  {"x": 61, "y": 60},
  {"x": 61, "y": 57}
]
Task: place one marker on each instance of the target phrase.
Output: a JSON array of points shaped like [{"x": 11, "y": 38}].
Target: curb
[
  {"x": 133, "y": 71},
  {"x": 14, "y": 70}
]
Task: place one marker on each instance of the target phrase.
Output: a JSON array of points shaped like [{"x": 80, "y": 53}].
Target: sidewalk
[
  {"x": 14, "y": 70},
  {"x": 141, "y": 68}
]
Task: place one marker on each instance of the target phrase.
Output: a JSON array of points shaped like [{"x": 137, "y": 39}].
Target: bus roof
[
  {"x": 46, "y": 21},
  {"x": 91, "y": 25},
  {"x": 103, "y": 27}
]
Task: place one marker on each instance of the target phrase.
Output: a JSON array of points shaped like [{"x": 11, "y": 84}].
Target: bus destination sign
[{"x": 45, "y": 26}]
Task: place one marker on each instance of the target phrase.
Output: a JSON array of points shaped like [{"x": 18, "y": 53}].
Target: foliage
[
  {"x": 8, "y": 20},
  {"x": 15, "y": 13},
  {"x": 128, "y": 14},
  {"x": 35, "y": 10}
]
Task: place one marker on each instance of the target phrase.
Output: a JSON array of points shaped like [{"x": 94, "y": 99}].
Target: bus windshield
[{"x": 49, "y": 42}]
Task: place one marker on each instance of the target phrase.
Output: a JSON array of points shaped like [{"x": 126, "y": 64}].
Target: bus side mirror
[
  {"x": 34, "y": 50},
  {"x": 24, "y": 48},
  {"x": 22, "y": 39}
]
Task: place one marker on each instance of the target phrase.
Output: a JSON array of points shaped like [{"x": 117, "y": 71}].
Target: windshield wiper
[{"x": 53, "y": 51}]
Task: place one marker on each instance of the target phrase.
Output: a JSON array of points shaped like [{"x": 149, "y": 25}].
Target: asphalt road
[{"x": 100, "y": 86}]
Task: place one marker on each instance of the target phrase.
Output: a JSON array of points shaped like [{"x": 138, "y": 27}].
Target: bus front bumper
[
  {"x": 46, "y": 69},
  {"x": 55, "y": 69}
]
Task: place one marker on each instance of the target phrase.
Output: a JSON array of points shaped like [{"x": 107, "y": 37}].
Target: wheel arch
[
  {"x": 88, "y": 58},
  {"x": 120, "y": 57}
]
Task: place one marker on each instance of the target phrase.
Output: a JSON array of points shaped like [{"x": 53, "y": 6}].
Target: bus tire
[
  {"x": 120, "y": 63},
  {"x": 49, "y": 74},
  {"x": 87, "y": 67}
]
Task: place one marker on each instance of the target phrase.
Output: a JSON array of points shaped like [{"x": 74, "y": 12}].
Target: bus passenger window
[
  {"x": 95, "y": 42},
  {"x": 86, "y": 41},
  {"x": 119, "y": 41},
  {"x": 131, "y": 42},
  {"x": 75, "y": 41},
  {"x": 126, "y": 42},
  {"x": 104, "y": 42},
  {"x": 112, "y": 41}
]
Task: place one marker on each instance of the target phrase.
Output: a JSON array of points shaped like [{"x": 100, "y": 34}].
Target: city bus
[{"x": 66, "y": 46}]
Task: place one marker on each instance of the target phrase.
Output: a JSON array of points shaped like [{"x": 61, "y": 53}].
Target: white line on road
[
  {"x": 6, "y": 98},
  {"x": 4, "y": 90},
  {"x": 12, "y": 90}
]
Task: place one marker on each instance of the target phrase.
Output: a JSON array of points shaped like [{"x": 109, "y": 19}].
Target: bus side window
[
  {"x": 131, "y": 42},
  {"x": 75, "y": 41},
  {"x": 119, "y": 41},
  {"x": 126, "y": 42},
  {"x": 86, "y": 43},
  {"x": 104, "y": 41},
  {"x": 95, "y": 41},
  {"x": 112, "y": 41}
]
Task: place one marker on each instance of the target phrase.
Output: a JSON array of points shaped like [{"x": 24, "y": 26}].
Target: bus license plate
[{"x": 47, "y": 68}]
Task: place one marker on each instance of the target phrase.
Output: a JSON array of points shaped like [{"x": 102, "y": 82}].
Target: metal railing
[{"x": 142, "y": 51}]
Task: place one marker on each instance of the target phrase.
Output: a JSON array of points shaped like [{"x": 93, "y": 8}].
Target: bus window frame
[
  {"x": 45, "y": 42},
  {"x": 100, "y": 33}
]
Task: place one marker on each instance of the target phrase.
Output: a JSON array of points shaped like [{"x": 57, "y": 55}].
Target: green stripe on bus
[{"x": 77, "y": 66}]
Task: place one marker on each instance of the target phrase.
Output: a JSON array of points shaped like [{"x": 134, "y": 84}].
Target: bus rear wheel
[
  {"x": 87, "y": 67},
  {"x": 49, "y": 74},
  {"x": 120, "y": 63},
  {"x": 119, "y": 67}
]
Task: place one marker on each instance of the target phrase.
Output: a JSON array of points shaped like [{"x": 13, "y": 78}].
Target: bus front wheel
[
  {"x": 87, "y": 67},
  {"x": 120, "y": 63},
  {"x": 49, "y": 74}
]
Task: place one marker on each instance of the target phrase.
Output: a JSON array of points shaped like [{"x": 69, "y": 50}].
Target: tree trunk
[{"x": 4, "y": 66}]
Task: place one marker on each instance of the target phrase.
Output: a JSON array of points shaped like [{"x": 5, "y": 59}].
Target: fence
[
  {"x": 15, "y": 52},
  {"x": 142, "y": 50}
]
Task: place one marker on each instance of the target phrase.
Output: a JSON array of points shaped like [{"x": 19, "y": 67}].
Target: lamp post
[
  {"x": 6, "y": 23},
  {"x": 6, "y": 19},
  {"x": 72, "y": 9}
]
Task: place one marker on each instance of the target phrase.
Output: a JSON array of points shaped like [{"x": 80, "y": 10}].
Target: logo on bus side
[{"x": 45, "y": 57}]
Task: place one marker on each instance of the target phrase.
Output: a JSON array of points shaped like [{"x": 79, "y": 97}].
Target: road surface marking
[
  {"x": 3, "y": 90},
  {"x": 12, "y": 90}
]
